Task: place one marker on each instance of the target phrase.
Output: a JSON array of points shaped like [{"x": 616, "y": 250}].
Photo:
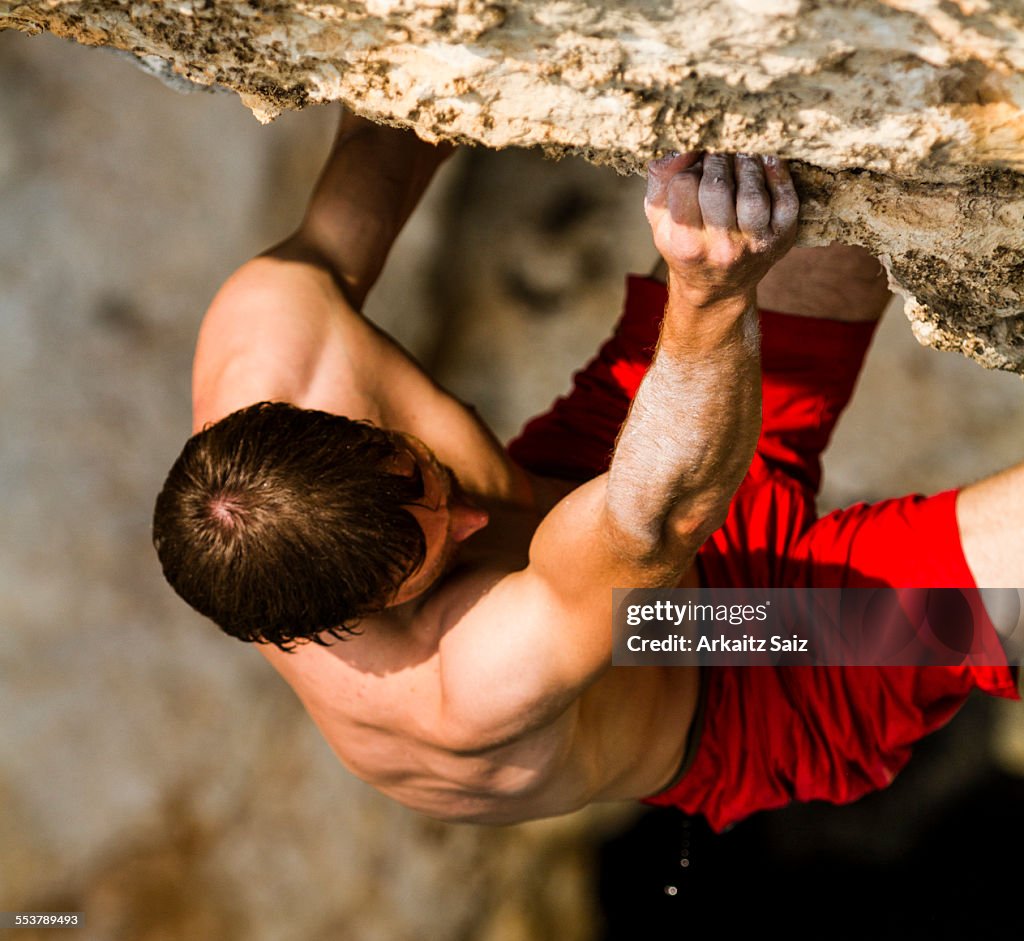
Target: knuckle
[
  {"x": 787, "y": 218},
  {"x": 722, "y": 261},
  {"x": 681, "y": 251},
  {"x": 753, "y": 209}
]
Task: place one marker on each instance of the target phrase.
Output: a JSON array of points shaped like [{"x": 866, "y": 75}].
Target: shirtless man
[{"x": 478, "y": 686}]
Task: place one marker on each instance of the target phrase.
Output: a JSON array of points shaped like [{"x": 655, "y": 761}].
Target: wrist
[
  {"x": 692, "y": 291},
  {"x": 699, "y": 320}
]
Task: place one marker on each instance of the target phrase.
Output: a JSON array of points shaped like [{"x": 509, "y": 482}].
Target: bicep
[
  {"x": 578, "y": 555},
  {"x": 542, "y": 635}
]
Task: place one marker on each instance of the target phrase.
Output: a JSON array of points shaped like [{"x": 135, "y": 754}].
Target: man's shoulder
[{"x": 281, "y": 330}]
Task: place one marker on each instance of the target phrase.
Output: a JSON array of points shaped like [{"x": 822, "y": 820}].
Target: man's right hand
[{"x": 720, "y": 222}]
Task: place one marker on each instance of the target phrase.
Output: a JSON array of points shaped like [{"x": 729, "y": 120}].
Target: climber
[{"x": 460, "y": 598}]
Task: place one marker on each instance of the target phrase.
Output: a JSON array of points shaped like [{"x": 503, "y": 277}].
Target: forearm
[
  {"x": 691, "y": 431},
  {"x": 720, "y": 223},
  {"x": 373, "y": 179}
]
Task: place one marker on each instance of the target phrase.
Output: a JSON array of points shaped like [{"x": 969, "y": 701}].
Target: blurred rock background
[{"x": 159, "y": 776}]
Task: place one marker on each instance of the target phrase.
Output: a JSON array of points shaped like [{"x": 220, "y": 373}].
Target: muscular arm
[
  {"x": 691, "y": 431},
  {"x": 286, "y": 325},
  {"x": 685, "y": 446},
  {"x": 372, "y": 181},
  {"x": 690, "y": 434}
]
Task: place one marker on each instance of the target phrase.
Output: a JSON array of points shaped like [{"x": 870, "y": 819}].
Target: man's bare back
[{"x": 483, "y": 691}]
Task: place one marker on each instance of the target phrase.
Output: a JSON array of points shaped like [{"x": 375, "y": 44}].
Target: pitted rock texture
[
  {"x": 927, "y": 95},
  {"x": 955, "y": 251}
]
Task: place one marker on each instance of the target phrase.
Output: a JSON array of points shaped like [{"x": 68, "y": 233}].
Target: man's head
[{"x": 281, "y": 523}]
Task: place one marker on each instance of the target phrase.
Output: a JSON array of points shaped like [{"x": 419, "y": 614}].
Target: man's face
[{"x": 444, "y": 514}]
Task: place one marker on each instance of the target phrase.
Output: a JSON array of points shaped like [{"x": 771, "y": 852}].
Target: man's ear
[{"x": 466, "y": 520}]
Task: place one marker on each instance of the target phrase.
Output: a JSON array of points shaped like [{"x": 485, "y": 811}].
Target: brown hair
[{"x": 281, "y": 523}]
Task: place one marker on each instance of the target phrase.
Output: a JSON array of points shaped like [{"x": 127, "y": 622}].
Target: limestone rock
[
  {"x": 893, "y": 86},
  {"x": 955, "y": 251},
  {"x": 927, "y": 95}
]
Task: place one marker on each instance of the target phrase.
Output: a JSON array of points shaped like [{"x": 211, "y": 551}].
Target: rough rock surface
[{"x": 926, "y": 95}]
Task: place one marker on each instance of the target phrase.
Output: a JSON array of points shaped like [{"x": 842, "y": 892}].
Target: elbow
[
  {"x": 638, "y": 538},
  {"x": 682, "y": 531},
  {"x": 692, "y": 525}
]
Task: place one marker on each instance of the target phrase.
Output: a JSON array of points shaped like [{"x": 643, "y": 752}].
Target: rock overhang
[{"x": 904, "y": 118}]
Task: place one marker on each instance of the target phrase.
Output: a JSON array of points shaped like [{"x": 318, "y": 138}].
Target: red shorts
[{"x": 772, "y": 735}]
